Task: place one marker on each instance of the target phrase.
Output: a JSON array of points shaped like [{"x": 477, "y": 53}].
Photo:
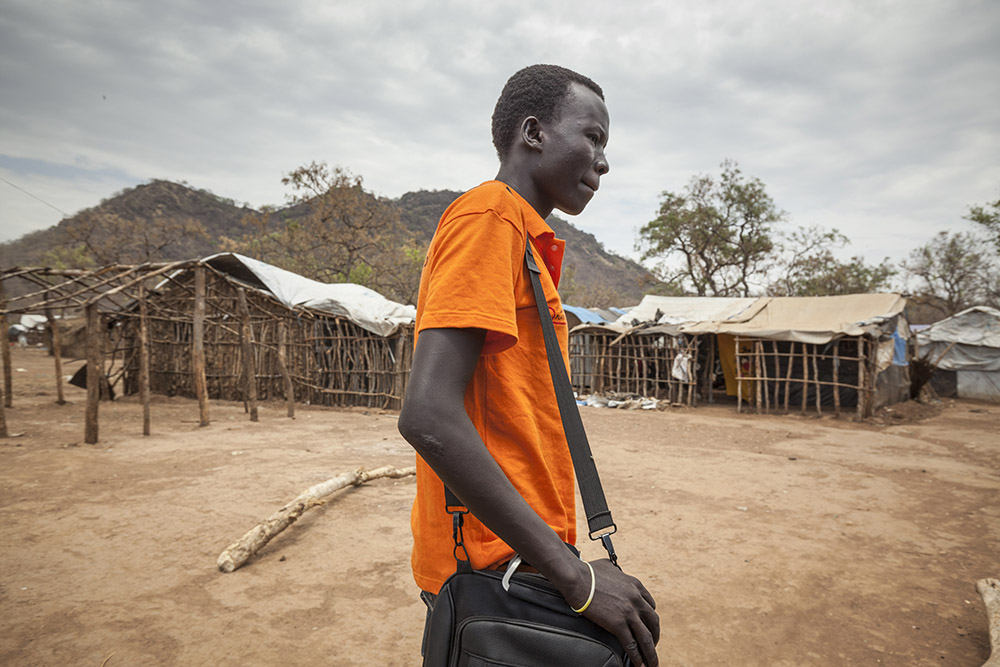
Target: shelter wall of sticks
[
  {"x": 330, "y": 360},
  {"x": 654, "y": 362},
  {"x": 777, "y": 376},
  {"x": 201, "y": 333}
]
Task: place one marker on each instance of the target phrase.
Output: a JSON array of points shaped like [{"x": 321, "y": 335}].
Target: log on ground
[
  {"x": 240, "y": 551},
  {"x": 989, "y": 590}
]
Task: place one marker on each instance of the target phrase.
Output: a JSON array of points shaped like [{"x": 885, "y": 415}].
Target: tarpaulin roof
[
  {"x": 809, "y": 319},
  {"x": 683, "y": 309},
  {"x": 979, "y": 325},
  {"x": 585, "y": 315},
  {"x": 365, "y": 307}
]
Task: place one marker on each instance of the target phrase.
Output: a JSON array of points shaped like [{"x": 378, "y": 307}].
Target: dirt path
[{"x": 766, "y": 540}]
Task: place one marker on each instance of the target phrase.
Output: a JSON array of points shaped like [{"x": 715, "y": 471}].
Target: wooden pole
[
  {"x": 8, "y": 387},
  {"x": 739, "y": 375},
  {"x": 777, "y": 372},
  {"x": 756, "y": 373},
  {"x": 3, "y": 415},
  {"x": 246, "y": 345},
  {"x": 790, "y": 360},
  {"x": 815, "y": 356},
  {"x": 56, "y": 352},
  {"x": 836, "y": 377},
  {"x": 711, "y": 365},
  {"x": 861, "y": 377},
  {"x": 198, "y": 346},
  {"x": 643, "y": 370},
  {"x": 283, "y": 368},
  {"x": 240, "y": 551},
  {"x": 399, "y": 381},
  {"x": 805, "y": 377},
  {"x": 144, "y": 359},
  {"x": 95, "y": 362}
]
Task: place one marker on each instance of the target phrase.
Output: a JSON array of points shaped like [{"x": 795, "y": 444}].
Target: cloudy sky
[{"x": 879, "y": 118}]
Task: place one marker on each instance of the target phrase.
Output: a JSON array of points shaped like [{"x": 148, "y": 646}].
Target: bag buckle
[
  {"x": 458, "y": 520},
  {"x": 610, "y": 548}
]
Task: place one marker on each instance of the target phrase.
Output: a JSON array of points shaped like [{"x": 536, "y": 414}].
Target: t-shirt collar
[{"x": 552, "y": 249}]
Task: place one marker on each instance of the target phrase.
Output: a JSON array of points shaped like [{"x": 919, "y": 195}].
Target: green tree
[
  {"x": 951, "y": 272},
  {"x": 335, "y": 231},
  {"x": 714, "y": 238},
  {"x": 808, "y": 267},
  {"x": 989, "y": 217}
]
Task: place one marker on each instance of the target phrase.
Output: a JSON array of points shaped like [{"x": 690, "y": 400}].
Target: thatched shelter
[
  {"x": 331, "y": 355},
  {"x": 831, "y": 352},
  {"x": 225, "y": 327}
]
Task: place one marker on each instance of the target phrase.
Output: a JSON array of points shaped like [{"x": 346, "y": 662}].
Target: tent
[
  {"x": 847, "y": 350},
  {"x": 966, "y": 350},
  {"x": 773, "y": 352}
]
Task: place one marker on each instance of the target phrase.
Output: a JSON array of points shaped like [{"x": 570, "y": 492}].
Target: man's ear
[{"x": 531, "y": 133}]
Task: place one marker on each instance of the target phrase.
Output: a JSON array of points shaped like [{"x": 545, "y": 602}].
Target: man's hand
[{"x": 624, "y": 607}]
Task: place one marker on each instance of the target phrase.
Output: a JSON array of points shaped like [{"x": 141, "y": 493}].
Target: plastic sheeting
[
  {"x": 683, "y": 309},
  {"x": 585, "y": 315},
  {"x": 816, "y": 320},
  {"x": 365, "y": 307},
  {"x": 966, "y": 341},
  {"x": 983, "y": 386},
  {"x": 968, "y": 344},
  {"x": 979, "y": 326}
]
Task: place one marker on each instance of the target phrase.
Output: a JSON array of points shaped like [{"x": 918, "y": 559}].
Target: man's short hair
[{"x": 536, "y": 90}]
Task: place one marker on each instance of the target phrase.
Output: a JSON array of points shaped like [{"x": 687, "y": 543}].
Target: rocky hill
[{"x": 591, "y": 274}]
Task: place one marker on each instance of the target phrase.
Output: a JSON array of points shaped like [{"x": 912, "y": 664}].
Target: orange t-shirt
[{"x": 475, "y": 277}]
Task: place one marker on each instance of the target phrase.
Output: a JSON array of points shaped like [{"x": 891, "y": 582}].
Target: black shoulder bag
[{"x": 484, "y": 618}]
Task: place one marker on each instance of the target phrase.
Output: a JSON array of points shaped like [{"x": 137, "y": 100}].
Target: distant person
[{"x": 479, "y": 407}]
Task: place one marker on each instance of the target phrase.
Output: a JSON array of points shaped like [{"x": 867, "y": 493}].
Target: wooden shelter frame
[
  {"x": 769, "y": 371},
  {"x": 638, "y": 361},
  {"x": 186, "y": 328}
]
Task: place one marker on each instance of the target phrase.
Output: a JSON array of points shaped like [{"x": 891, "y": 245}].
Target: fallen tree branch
[
  {"x": 989, "y": 590},
  {"x": 240, "y": 551}
]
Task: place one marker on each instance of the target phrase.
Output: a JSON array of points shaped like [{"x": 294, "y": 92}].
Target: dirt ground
[{"x": 781, "y": 540}]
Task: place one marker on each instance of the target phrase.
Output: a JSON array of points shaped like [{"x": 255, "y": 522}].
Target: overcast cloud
[{"x": 881, "y": 119}]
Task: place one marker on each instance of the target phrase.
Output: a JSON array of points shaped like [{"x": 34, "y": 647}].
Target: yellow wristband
[{"x": 590, "y": 598}]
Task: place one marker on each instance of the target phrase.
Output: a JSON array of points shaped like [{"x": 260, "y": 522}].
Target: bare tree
[
  {"x": 96, "y": 238},
  {"x": 335, "y": 231},
  {"x": 808, "y": 267},
  {"x": 951, "y": 271}
]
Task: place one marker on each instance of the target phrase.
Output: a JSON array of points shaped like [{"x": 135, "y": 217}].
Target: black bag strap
[{"x": 599, "y": 522}]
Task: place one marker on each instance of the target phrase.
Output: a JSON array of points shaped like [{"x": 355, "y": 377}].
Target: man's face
[{"x": 573, "y": 145}]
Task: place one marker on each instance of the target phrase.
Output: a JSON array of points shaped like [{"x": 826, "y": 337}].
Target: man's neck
[{"x": 515, "y": 177}]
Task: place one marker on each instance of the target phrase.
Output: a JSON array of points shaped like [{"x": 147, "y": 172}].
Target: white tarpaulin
[
  {"x": 365, "y": 307},
  {"x": 967, "y": 343},
  {"x": 978, "y": 326},
  {"x": 683, "y": 309}
]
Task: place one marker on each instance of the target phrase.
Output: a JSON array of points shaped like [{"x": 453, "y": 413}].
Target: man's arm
[{"x": 433, "y": 420}]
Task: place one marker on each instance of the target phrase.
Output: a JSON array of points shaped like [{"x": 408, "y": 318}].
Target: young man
[{"x": 480, "y": 408}]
